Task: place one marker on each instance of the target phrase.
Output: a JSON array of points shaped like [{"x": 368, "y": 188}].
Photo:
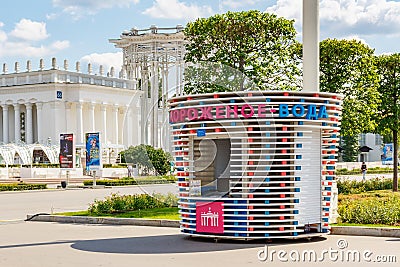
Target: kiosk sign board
[
  {"x": 209, "y": 217},
  {"x": 93, "y": 155},
  {"x": 67, "y": 151}
]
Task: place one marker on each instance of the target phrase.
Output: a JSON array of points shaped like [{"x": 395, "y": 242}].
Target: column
[
  {"x": 17, "y": 123},
  {"x": 129, "y": 128},
  {"x": 39, "y": 106},
  {"x": 68, "y": 106},
  {"x": 115, "y": 117},
  {"x": 58, "y": 124},
  {"x": 155, "y": 96},
  {"x": 103, "y": 109},
  {"x": 79, "y": 123},
  {"x": 29, "y": 126},
  {"x": 91, "y": 117},
  {"x": 311, "y": 45},
  {"x": 5, "y": 123},
  {"x": 144, "y": 110}
]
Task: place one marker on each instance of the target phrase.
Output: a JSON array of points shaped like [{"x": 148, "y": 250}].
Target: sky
[{"x": 79, "y": 30}]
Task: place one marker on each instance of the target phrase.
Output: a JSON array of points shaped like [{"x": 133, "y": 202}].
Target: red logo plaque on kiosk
[{"x": 209, "y": 217}]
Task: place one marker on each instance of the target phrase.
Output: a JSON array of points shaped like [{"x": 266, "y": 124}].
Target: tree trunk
[{"x": 395, "y": 161}]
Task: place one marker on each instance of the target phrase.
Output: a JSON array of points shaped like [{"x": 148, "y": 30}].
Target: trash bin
[{"x": 63, "y": 184}]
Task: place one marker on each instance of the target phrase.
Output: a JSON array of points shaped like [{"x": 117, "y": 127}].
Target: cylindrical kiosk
[{"x": 255, "y": 164}]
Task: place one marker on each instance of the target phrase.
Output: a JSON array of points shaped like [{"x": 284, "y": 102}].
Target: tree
[
  {"x": 350, "y": 148},
  {"x": 348, "y": 67},
  {"x": 252, "y": 45},
  {"x": 389, "y": 89},
  {"x": 148, "y": 159}
]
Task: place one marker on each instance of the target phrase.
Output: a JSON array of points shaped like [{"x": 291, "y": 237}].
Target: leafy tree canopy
[
  {"x": 148, "y": 159},
  {"x": 389, "y": 110},
  {"x": 251, "y": 45},
  {"x": 348, "y": 67}
]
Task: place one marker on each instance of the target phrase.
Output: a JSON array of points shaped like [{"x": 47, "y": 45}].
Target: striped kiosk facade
[{"x": 255, "y": 164}]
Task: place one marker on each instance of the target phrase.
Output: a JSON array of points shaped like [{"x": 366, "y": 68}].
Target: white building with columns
[
  {"x": 131, "y": 109},
  {"x": 38, "y": 105}
]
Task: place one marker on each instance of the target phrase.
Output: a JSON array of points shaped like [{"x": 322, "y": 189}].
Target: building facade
[{"x": 36, "y": 106}]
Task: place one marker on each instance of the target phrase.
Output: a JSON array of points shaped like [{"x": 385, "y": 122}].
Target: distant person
[
  {"x": 130, "y": 170},
  {"x": 364, "y": 169}
]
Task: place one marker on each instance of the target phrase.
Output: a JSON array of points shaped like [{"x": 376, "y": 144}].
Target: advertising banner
[
  {"x": 387, "y": 156},
  {"x": 93, "y": 152},
  {"x": 67, "y": 151}
]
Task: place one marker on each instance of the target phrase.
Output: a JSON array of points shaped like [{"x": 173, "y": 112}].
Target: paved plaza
[
  {"x": 42, "y": 244},
  {"x": 45, "y": 244},
  {"x": 16, "y": 205}
]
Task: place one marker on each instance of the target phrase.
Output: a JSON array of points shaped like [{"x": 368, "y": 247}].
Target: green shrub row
[
  {"x": 356, "y": 187},
  {"x": 133, "y": 181},
  {"x": 21, "y": 187},
  {"x": 375, "y": 170},
  {"x": 370, "y": 210},
  {"x": 119, "y": 165},
  {"x": 122, "y": 203}
]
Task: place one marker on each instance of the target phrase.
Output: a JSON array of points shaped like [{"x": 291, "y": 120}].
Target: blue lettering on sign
[
  {"x": 312, "y": 112},
  {"x": 322, "y": 112},
  {"x": 283, "y": 110},
  {"x": 201, "y": 132},
  {"x": 298, "y": 110}
]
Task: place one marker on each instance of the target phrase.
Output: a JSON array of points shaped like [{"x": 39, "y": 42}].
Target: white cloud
[
  {"x": 239, "y": 3},
  {"x": 51, "y": 16},
  {"x": 21, "y": 41},
  {"x": 3, "y": 35},
  {"x": 83, "y": 7},
  {"x": 27, "y": 50},
  {"x": 30, "y": 30},
  {"x": 173, "y": 9},
  {"x": 347, "y": 17},
  {"x": 59, "y": 45},
  {"x": 357, "y": 38},
  {"x": 108, "y": 60}
]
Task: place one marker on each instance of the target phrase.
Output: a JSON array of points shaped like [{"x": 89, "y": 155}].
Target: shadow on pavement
[{"x": 165, "y": 244}]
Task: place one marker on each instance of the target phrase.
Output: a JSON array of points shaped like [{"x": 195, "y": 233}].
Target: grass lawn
[{"x": 159, "y": 213}]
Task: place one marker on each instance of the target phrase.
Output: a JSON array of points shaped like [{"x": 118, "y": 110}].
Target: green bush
[
  {"x": 119, "y": 165},
  {"x": 122, "y": 203},
  {"x": 374, "y": 209},
  {"x": 356, "y": 187},
  {"x": 375, "y": 170},
  {"x": 133, "y": 181},
  {"x": 21, "y": 187}
]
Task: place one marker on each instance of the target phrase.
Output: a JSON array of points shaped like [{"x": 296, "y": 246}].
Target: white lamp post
[{"x": 311, "y": 45}]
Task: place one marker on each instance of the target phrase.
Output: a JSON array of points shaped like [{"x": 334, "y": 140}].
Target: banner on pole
[
  {"x": 93, "y": 152},
  {"x": 67, "y": 151}
]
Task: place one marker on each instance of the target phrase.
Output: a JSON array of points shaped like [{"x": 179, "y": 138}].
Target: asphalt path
[
  {"x": 16, "y": 205},
  {"x": 43, "y": 244}
]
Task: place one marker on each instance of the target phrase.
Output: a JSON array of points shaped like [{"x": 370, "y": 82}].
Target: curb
[
  {"x": 103, "y": 220},
  {"x": 335, "y": 230},
  {"x": 365, "y": 231}
]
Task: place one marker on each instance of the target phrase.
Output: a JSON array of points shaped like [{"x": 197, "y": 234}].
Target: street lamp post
[{"x": 311, "y": 45}]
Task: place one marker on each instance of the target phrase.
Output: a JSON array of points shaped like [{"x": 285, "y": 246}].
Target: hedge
[
  {"x": 356, "y": 187},
  {"x": 133, "y": 181},
  {"x": 375, "y": 208},
  {"x": 375, "y": 170},
  {"x": 21, "y": 187},
  {"x": 123, "y": 203}
]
